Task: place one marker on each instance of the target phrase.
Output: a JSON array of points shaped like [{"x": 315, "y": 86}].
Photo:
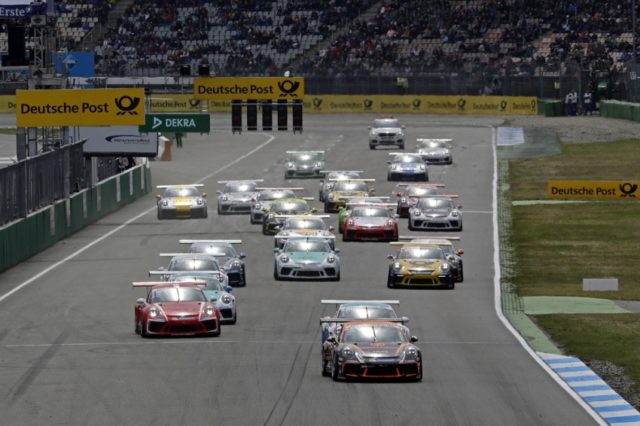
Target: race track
[{"x": 69, "y": 355}]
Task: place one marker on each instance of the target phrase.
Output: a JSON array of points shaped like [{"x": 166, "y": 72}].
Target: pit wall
[
  {"x": 622, "y": 110},
  {"x": 23, "y": 238}
]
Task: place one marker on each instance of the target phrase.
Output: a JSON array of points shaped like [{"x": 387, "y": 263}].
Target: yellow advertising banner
[
  {"x": 593, "y": 190},
  {"x": 242, "y": 88},
  {"x": 8, "y": 103},
  {"x": 79, "y": 107},
  {"x": 494, "y": 105}
]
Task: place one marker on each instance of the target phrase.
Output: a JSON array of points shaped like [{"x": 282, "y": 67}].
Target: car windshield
[
  {"x": 181, "y": 192},
  {"x": 193, "y": 264},
  {"x": 350, "y": 186},
  {"x": 365, "y": 312},
  {"x": 219, "y": 250},
  {"x": 177, "y": 294},
  {"x": 414, "y": 191},
  {"x": 305, "y": 157},
  {"x": 213, "y": 282},
  {"x": 307, "y": 245},
  {"x": 290, "y": 207},
  {"x": 389, "y": 122},
  {"x": 239, "y": 187},
  {"x": 407, "y": 159},
  {"x": 275, "y": 195},
  {"x": 432, "y": 144},
  {"x": 421, "y": 253},
  {"x": 435, "y": 203},
  {"x": 373, "y": 334},
  {"x": 370, "y": 212},
  {"x": 305, "y": 224}
]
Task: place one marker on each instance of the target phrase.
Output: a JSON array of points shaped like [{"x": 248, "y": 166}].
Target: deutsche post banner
[
  {"x": 593, "y": 190},
  {"x": 243, "y": 88},
  {"x": 8, "y": 103},
  {"x": 79, "y": 107}
]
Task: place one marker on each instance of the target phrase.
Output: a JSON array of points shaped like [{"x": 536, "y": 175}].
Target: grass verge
[{"x": 556, "y": 245}]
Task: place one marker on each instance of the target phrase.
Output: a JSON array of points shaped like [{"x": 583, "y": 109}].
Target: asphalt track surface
[{"x": 69, "y": 356}]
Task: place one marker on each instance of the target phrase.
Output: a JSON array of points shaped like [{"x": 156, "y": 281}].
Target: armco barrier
[
  {"x": 622, "y": 110},
  {"x": 23, "y": 238}
]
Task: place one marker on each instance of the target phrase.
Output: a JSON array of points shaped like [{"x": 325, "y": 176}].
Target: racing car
[
  {"x": 230, "y": 260},
  {"x": 304, "y": 226},
  {"x": 386, "y": 131},
  {"x": 407, "y": 167},
  {"x": 343, "y": 212},
  {"x": 453, "y": 255},
  {"x": 309, "y": 258},
  {"x": 274, "y": 217},
  {"x": 215, "y": 293},
  {"x": 435, "y": 213},
  {"x": 304, "y": 164},
  {"x": 332, "y": 176},
  {"x": 420, "y": 265},
  {"x": 409, "y": 194},
  {"x": 181, "y": 201},
  {"x": 177, "y": 308},
  {"x": 435, "y": 151},
  {"x": 237, "y": 196},
  {"x": 373, "y": 350},
  {"x": 265, "y": 197},
  {"x": 370, "y": 223},
  {"x": 189, "y": 262},
  {"x": 336, "y": 198}
]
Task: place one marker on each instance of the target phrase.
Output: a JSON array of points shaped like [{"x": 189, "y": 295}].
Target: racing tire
[
  {"x": 336, "y": 278},
  {"x": 451, "y": 284},
  {"x": 143, "y": 332},
  {"x": 411, "y": 228},
  {"x": 325, "y": 364},
  {"x": 344, "y": 236},
  {"x": 217, "y": 332},
  {"x": 234, "y": 319},
  {"x": 401, "y": 146},
  {"x": 326, "y": 208},
  {"x": 160, "y": 217},
  {"x": 340, "y": 228},
  {"x": 372, "y": 146},
  {"x": 461, "y": 272},
  {"x": 390, "y": 283},
  {"x": 205, "y": 214},
  {"x": 460, "y": 228},
  {"x": 275, "y": 275},
  {"x": 220, "y": 211},
  {"x": 264, "y": 230},
  {"x": 426, "y": 177},
  {"x": 243, "y": 279},
  {"x": 334, "y": 371},
  {"x": 418, "y": 378},
  {"x": 136, "y": 329}
]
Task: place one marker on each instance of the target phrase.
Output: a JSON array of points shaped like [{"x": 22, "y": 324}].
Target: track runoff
[{"x": 69, "y": 353}]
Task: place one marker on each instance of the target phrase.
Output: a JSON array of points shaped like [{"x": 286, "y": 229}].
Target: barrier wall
[
  {"x": 23, "y": 238},
  {"x": 618, "y": 109}
]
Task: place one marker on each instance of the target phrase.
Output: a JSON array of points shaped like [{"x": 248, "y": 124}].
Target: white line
[
  {"x": 497, "y": 294},
  {"x": 477, "y": 211},
  {"x": 621, "y": 413},
  {"x": 611, "y": 403},
  {"x": 128, "y": 222}
]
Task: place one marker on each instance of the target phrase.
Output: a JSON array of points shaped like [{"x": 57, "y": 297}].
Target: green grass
[
  {"x": 595, "y": 161},
  {"x": 611, "y": 337},
  {"x": 7, "y": 131}
]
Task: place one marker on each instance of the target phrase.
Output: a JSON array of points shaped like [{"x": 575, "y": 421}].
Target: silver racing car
[
  {"x": 435, "y": 151},
  {"x": 237, "y": 196},
  {"x": 304, "y": 164},
  {"x": 181, "y": 201}
]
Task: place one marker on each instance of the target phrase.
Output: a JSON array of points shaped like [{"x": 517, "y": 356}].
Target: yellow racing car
[{"x": 419, "y": 265}]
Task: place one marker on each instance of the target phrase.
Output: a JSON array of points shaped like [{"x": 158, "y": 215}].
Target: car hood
[
  {"x": 340, "y": 194},
  {"x": 434, "y": 151},
  {"x": 239, "y": 196},
  {"x": 172, "y": 309},
  {"x": 380, "y": 349},
  {"x": 303, "y": 233},
  {"x": 435, "y": 212},
  {"x": 418, "y": 265},
  {"x": 386, "y": 130},
  {"x": 307, "y": 257},
  {"x": 370, "y": 221}
]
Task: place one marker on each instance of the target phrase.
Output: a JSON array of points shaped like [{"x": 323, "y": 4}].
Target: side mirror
[
  {"x": 204, "y": 195},
  {"x": 369, "y": 127},
  {"x": 460, "y": 252},
  {"x": 276, "y": 250},
  {"x": 321, "y": 180},
  {"x": 158, "y": 197},
  {"x": 331, "y": 228},
  {"x": 332, "y": 340},
  {"x": 313, "y": 210},
  {"x": 372, "y": 190},
  {"x": 413, "y": 339},
  {"x": 336, "y": 250},
  {"x": 391, "y": 257},
  {"x": 228, "y": 288},
  {"x": 140, "y": 301},
  {"x": 388, "y": 161},
  {"x": 398, "y": 194},
  {"x": 460, "y": 206},
  {"x": 403, "y": 126},
  {"x": 218, "y": 192},
  {"x": 242, "y": 255}
]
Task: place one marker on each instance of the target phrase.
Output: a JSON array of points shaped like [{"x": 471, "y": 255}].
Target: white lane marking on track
[
  {"x": 270, "y": 139},
  {"x": 477, "y": 211},
  {"x": 497, "y": 294}
]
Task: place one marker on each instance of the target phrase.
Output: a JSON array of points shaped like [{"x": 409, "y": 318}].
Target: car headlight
[
  {"x": 256, "y": 206},
  {"x": 165, "y": 203},
  {"x": 226, "y": 299},
  {"x": 236, "y": 264},
  {"x": 411, "y": 354},
  {"x": 455, "y": 213},
  {"x": 224, "y": 198},
  {"x": 422, "y": 167},
  {"x": 209, "y": 310},
  {"x": 284, "y": 258},
  {"x": 445, "y": 266},
  {"x": 200, "y": 201},
  {"x": 350, "y": 222},
  {"x": 389, "y": 222},
  {"x": 319, "y": 165},
  {"x": 330, "y": 196},
  {"x": 416, "y": 212},
  {"x": 154, "y": 312},
  {"x": 331, "y": 259},
  {"x": 291, "y": 165},
  {"x": 403, "y": 200},
  {"x": 347, "y": 353},
  {"x": 397, "y": 265}
]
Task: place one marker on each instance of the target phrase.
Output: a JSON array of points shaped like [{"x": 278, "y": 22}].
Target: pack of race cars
[{"x": 364, "y": 339}]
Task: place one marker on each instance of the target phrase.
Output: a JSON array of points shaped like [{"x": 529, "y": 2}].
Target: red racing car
[
  {"x": 370, "y": 223},
  {"x": 175, "y": 309}
]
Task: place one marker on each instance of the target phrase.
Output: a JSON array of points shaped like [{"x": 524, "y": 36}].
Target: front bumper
[
  {"x": 438, "y": 160},
  {"x": 409, "y": 175},
  {"x": 379, "y": 370},
  {"x": 182, "y": 327},
  {"x": 436, "y": 224},
  {"x": 182, "y": 212},
  {"x": 419, "y": 280},
  {"x": 310, "y": 172},
  {"x": 370, "y": 234},
  {"x": 309, "y": 272},
  {"x": 234, "y": 207},
  {"x": 272, "y": 227}
]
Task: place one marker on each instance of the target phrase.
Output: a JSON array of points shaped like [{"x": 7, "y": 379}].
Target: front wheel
[
  {"x": 334, "y": 371},
  {"x": 411, "y": 228},
  {"x": 419, "y": 376},
  {"x": 390, "y": 283},
  {"x": 143, "y": 331},
  {"x": 372, "y": 146}
]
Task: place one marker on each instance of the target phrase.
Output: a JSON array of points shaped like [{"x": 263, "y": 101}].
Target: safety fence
[
  {"x": 25, "y": 237},
  {"x": 622, "y": 110}
]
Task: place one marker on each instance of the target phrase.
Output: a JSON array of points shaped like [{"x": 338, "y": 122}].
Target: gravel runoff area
[{"x": 586, "y": 129}]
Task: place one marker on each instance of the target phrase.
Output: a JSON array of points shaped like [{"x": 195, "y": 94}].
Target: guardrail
[
  {"x": 619, "y": 109},
  {"x": 25, "y": 237}
]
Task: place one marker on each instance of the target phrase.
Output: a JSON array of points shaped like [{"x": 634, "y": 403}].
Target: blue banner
[
  {"x": 15, "y": 8},
  {"x": 76, "y": 64}
]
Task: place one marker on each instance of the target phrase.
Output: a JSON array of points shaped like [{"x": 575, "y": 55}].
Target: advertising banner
[
  {"x": 79, "y": 107},
  {"x": 242, "y": 88},
  {"x": 593, "y": 190},
  {"x": 118, "y": 141},
  {"x": 15, "y": 8},
  {"x": 76, "y": 64}
]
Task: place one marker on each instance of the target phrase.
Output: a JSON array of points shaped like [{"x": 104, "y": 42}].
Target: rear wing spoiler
[
  {"x": 241, "y": 180},
  {"x": 349, "y": 197},
  {"x": 405, "y": 153},
  {"x": 332, "y": 320},
  {"x": 324, "y": 237},
  {"x": 154, "y": 283},
  {"x": 160, "y": 273},
  {"x": 426, "y": 185},
  {"x": 415, "y": 237},
  {"x": 303, "y": 216},
  {"x": 185, "y": 185},
  {"x": 210, "y": 241},
  {"x": 341, "y": 301},
  {"x": 305, "y": 152},
  {"x": 365, "y": 204},
  {"x": 194, "y": 255},
  {"x": 341, "y": 171},
  {"x": 353, "y": 180}
]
